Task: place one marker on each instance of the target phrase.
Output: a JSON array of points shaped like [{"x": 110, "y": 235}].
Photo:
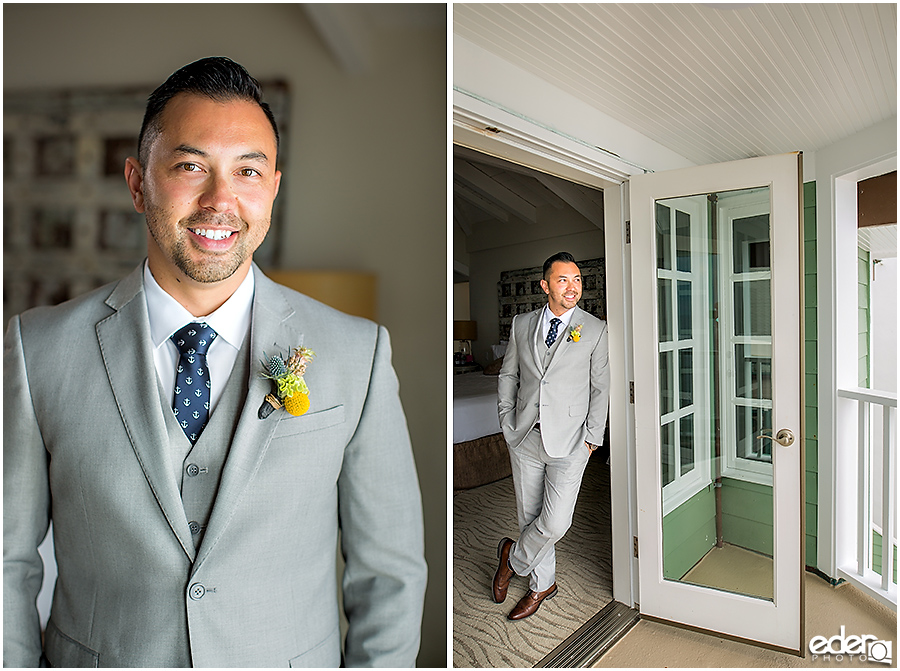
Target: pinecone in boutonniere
[
  {"x": 291, "y": 391},
  {"x": 575, "y": 334}
]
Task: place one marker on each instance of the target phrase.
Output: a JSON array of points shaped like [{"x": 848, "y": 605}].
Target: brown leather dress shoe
[
  {"x": 504, "y": 571},
  {"x": 529, "y": 603}
]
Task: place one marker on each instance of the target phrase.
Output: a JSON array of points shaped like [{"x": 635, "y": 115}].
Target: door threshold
[{"x": 586, "y": 645}]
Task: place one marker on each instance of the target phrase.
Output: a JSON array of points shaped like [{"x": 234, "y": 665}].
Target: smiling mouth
[{"x": 212, "y": 234}]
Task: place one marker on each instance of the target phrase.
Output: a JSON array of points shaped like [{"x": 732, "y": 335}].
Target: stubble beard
[
  {"x": 567, "y": 304},
  {"x": 176, "y": 245}
]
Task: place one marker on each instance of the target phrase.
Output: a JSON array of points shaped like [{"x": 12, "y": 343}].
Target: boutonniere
[
  {"x": 291, "y": 391},
  {"x": 575, "y": 334}
]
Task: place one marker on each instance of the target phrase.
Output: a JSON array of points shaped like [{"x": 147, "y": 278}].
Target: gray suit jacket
[
  {"x": 82, "y": 441},
  {"x": 570, "y": 398}
]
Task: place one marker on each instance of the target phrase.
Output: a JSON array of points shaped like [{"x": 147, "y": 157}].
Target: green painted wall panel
[
  {"x": 812, "y": 323},
  {"x": 747, "y": 515},
  {"x": 811, "y": 364},
  {"x": 810, "y": 549},
  {"x": 812, "y": 486},
  {"x": 863, "y": 318},
  {"x": 809, "y": 293},
  {"x": 809, "y": 255},
  {"x": 749, "y": 534},
  {"x": 689, "y": 532},
  {"x": 876, "y": 555},
  {"x": 812, "y": 458}
]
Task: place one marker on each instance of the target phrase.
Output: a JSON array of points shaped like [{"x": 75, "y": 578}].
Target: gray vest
[
  {"x": 546, "y": 353},
  {"x": 201, "y": 467}
]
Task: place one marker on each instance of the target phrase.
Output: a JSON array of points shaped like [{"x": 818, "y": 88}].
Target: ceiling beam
[
  {"x": 345, "y": 34},
  {"x": 460, "y": 217},
  {"x": 470, "y": 195},
  {"x": 494, "y": 191},
  {"x": 575, "y": 197}
]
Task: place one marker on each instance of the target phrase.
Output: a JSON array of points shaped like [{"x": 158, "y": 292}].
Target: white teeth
[{"x": 212, "y": 235}]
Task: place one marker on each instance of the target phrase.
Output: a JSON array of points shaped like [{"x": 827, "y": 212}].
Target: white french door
[{"x": 716, "y": 290}]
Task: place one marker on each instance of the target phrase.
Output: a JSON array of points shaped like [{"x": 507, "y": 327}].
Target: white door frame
[{"x": 489, "y": 129}]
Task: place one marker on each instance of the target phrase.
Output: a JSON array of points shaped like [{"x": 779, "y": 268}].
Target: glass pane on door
[{"x": 714, "y": 313}]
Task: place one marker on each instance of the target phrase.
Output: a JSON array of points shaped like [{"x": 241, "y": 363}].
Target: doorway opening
[{"x": 507, "y": 220}]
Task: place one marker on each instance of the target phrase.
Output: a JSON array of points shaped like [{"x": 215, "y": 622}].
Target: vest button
[
  {"x": 194, "y": 527},
  {"x": 197, "y": 591},
  {"x": 193, "y": 470}
]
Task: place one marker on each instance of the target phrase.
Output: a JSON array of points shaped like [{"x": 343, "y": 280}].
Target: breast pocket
[{"x": 311, "y": 421}]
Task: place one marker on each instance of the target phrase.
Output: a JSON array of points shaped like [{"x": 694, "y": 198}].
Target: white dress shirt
[
  {"x": 565, "y": 318},
  {"x": 231, "y": 322}
]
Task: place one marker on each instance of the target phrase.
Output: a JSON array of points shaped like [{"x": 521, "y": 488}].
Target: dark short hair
[
  {"x": 565, "y": 257},
  {"x": 217, "y": 78}
]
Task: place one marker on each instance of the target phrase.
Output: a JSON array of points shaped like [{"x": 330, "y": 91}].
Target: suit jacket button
[
  {"x": 193, "y": 470},
  {"x": 197, "y": 591},
  {"x": 194, "y": 527}
]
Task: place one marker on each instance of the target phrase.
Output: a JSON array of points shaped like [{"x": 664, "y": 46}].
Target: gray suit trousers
[{"x": 546, "y": 490}]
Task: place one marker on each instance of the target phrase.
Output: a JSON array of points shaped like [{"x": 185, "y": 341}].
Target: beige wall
[{"x": 366, "y": 189}]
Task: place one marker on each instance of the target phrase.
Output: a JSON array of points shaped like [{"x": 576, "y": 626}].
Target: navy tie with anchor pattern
[
  {"x": 551, "y": 334},
  {"x": 191, "y": 403}
]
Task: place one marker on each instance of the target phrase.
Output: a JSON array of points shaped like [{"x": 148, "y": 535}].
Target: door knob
[{"x": 784, "y": 437}]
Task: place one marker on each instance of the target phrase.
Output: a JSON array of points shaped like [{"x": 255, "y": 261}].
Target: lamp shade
[{"x": 465, "y": 330}]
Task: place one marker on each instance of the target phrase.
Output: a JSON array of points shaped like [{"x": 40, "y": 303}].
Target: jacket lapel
[
  {"x": 532, "y": 329},
  {"x": 125, "y": 343},
  {"x": 269, "y": 334}
]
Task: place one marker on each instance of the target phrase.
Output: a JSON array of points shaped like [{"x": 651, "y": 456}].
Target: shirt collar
[
  {"x": 565, "y": 317},
  {"x": 231, "y": 321}
]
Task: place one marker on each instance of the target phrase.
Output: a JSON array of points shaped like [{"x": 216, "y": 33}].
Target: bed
[{"x": 480, "y": 454}]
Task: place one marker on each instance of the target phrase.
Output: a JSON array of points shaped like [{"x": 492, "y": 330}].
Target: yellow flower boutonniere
[
  {"x": 291, "y": 390},
  {"x": 575, "y": 333}
]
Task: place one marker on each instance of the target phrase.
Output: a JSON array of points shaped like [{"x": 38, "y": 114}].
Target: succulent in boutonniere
[
  {"x": 291, "y": 391},
  {"x": 575, "y": 333}
]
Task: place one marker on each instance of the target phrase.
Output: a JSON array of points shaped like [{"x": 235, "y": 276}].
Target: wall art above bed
[{"x": 520, "y": 291}]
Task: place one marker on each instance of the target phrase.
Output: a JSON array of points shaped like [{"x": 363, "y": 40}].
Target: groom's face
[
  {"x": 208, "y": 187},
  {"x": 562, "y": 286}
]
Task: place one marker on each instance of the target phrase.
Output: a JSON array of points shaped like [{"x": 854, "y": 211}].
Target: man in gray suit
[
  {"x": 193, "y": 524},
  {"x": 553, "y": 403}
]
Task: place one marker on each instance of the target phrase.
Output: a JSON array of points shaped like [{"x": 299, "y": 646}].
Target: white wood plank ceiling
[{"x": 712, "y": 82}]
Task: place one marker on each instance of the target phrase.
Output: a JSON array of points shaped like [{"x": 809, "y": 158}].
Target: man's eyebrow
[
  {"x": 188, "y": 149},
  {"x": 194, "y": 151},
  {"x": 254, "y": 156}
]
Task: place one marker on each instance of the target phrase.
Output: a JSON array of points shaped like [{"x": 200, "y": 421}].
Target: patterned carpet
[{"x": 482, "y": 636}]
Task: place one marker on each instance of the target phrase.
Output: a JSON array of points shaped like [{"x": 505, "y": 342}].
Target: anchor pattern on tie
[
  {"x": 192, "y": 384},
  {"x": 554, "y": 329}
]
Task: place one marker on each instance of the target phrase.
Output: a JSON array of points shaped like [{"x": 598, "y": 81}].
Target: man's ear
[
  {"x": 134, "y": 177},
  {"x": 277, "y": 181},
  {"x": 545, "y": 287}
]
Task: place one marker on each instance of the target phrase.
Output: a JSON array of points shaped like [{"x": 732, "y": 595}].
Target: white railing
[{"x": 863, "y": 575}]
